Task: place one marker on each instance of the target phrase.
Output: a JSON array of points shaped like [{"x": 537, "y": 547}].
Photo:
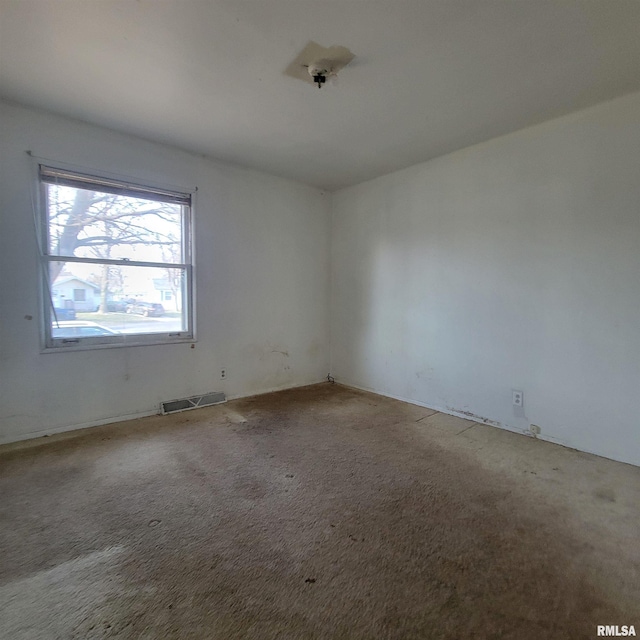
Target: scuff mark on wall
[
  {"x": 264, "y": 352},
  {"x": 273, "y": 365},
  {"x": 473, "y": 416}
]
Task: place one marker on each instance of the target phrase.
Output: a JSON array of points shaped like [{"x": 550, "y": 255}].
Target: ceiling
[{"x": 430, "y": 76}]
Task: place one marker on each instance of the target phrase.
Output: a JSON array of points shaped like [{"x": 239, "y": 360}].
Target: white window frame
[{"x": 100, "y": 181}]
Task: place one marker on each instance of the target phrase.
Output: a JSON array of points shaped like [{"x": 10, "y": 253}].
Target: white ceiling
[{"x": 430, "y": 76}]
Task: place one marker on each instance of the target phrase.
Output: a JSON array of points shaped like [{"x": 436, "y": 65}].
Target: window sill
[{"x": 116, "y": 345}]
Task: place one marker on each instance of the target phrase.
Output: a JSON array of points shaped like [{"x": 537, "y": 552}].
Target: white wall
[
  {"x": 262, "y": 279},
  {"x": 511, "y": 264}
]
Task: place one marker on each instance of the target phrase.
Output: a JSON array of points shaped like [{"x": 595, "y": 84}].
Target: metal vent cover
[{"x": 195, "y": 402}]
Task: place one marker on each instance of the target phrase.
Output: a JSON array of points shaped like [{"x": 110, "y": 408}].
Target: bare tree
[{"x": 87, "y": 223}]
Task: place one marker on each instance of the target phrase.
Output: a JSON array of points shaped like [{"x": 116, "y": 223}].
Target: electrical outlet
[
  {"x": 518, "y": 398},
  {"x": 223, "y": 374}
]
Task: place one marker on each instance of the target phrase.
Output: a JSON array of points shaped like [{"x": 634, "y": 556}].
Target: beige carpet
[{"x": 321, "y": 512}]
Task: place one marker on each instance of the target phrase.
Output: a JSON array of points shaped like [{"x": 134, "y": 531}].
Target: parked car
[
  {"x": 64, "y": 314},
  {"x": 79, "y": 329},
  {"x": 146, "y": 308},
  {"x": 119, "y": 306}
]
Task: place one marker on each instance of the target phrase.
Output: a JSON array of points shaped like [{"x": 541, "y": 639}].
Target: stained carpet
[{"x": 320, "y": 512}]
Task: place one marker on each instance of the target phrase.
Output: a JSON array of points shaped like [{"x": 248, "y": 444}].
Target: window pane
[
  {"x": 105, "y": 300},
  {"x": 93, "y": 224}
]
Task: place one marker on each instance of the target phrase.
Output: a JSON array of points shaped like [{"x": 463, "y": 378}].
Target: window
[
  {"x": 119, "y": 239},
  {"x": 167, "y": 296}
]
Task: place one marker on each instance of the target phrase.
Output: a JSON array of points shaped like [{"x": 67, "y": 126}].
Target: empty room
[{"x": 319, "y": 319}]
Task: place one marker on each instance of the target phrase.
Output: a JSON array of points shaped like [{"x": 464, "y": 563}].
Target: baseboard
[
  {"x": 75, "y": 427},
  {"x": 478, "y": 420},
  {"x": 284, "y": 387},
  {"x": 33, "y": 435}
]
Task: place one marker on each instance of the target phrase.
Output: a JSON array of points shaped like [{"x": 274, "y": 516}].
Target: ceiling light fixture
[{"x": 315, "y": 64}]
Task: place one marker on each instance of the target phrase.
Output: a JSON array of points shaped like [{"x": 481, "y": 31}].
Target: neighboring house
[
  {"x": 71, "y": 292},
  {"x": 162, "y": 292}
]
